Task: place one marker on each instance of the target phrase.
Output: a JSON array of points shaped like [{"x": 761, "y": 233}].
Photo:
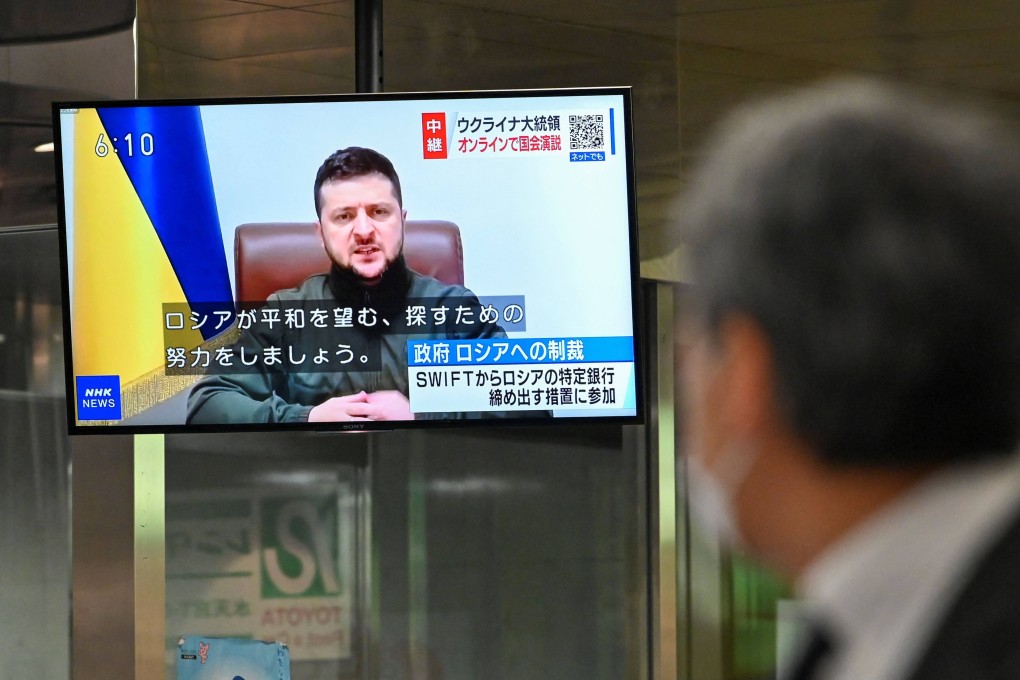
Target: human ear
[{"x": 746, "y": 377}]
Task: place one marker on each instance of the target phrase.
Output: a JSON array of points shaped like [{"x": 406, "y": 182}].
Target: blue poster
[{"x": 207, "y": 658}]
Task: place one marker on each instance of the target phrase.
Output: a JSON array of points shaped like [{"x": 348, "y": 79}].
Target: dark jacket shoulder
[{"x": 980, "y": 635}]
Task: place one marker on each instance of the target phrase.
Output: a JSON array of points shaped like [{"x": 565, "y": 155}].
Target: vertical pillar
[
  {"x": 368, "y": 74},
  {"x": 667, "y": 649},
  {"x": 417, "y": 562},
  {"x": 150, "y": 557},
  {"x": 118, "y": 568},
  {"x": 102, "y": 552}
]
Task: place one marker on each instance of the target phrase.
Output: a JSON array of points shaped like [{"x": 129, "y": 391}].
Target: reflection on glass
[
  {"x": 34, "y": 458},
  {"x": 754, "y": 623},
  {"x": 264, "y": 541}
]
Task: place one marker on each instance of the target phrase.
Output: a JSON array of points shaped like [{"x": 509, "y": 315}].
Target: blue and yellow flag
[{"x": 146, "y": 232}]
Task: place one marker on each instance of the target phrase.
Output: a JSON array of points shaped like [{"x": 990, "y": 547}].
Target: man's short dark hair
[
  {"x": 355, "y": 161},
  {"x": 874, "y": 235}
]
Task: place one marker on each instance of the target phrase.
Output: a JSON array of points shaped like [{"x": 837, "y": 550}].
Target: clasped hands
[{"x": 383, "y": 405}]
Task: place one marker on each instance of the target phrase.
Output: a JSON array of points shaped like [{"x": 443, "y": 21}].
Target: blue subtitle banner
[{"x": 496, "y": 351}]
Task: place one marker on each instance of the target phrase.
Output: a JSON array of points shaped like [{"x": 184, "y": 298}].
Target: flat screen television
[{"x": 350, "y": 262}]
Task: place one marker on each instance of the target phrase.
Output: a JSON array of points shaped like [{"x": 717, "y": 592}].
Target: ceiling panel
[
  {"x": 254, "y": 76},
  {"x": 184, "y": 11},
  {"x": 200, "y": 48},
  {"x": 262, "y": 32},
  {"x": 685, "y": 7},
  {"x": 641, "y": 17},
  {"x": 783, "y": 23}
]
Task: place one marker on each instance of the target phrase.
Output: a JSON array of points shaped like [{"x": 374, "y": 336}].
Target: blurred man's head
[
  {"x": 867, "y": 244},
  {"x": 360, "y": 212}
]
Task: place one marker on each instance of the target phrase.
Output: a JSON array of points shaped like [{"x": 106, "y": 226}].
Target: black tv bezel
[{"x": 639, "y": 371}]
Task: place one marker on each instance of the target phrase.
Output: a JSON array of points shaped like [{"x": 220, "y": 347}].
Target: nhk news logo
[
  {"x": 98, "y": 397},
  {"x": 433, "y": 135},
  {"x": 300, "y": 547}
]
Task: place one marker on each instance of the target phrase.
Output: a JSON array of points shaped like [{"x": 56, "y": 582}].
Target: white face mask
[{"x": 712, "y": 494}]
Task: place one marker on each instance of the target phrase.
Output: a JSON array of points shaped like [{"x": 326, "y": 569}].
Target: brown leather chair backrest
[{"x": 271, "y": 256}]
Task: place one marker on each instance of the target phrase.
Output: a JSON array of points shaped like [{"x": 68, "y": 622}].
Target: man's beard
[
  {"x": 378, "y": 277},
  {"x": 353, "y": 270}
]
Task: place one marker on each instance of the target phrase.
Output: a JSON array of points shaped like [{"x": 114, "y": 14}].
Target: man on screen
[{"x": 361, "y": 221}]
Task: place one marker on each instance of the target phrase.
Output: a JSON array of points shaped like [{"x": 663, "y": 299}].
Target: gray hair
[{"x": 874, "y": 235}]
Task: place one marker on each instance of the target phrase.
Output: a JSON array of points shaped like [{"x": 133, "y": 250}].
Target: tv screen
[{"x": 349, "y": 262}]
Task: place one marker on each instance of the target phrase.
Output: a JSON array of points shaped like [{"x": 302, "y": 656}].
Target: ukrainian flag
[{"x": 146, "y": 232}]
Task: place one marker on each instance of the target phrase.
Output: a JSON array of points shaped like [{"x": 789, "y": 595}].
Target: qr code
[{"x": 587, "y": 132}]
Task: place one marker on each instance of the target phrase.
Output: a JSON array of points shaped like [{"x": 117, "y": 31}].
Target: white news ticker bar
[{"x": 522, "y": 387}]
